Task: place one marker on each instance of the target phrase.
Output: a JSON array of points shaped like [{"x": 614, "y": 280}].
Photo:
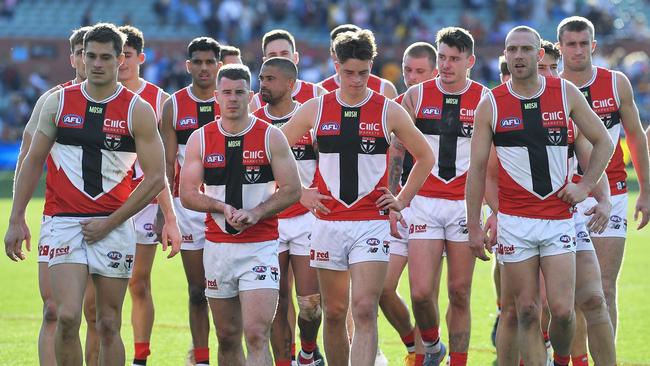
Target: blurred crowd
[{"x": 396, "y": 24}]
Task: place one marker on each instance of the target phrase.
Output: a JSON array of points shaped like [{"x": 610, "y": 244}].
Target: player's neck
[
  {"x": 202, "y": 93},
  {"x": 78, "y": 80},
  {"x": 235, "y": 126},
  {"x": 133, "y": 85},
  {"x": 527, "y": 87},
  {"x": 453, "y": 88},
  {"x": 579, "y": 78},
  {"x": 353, "y": 98},
  {"x": 282, "y": 108},
  {"x": 101, "y": 92}
]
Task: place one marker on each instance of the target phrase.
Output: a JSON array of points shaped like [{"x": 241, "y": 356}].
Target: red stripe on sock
[
  {"x": 201, "y": 354},
  {"x": 582, "y": 360},
  {"x": 561, "y": 360},
  {"x": 458, "y": 359},
  {"x": 307, "y": 346},
  {"x": 283, "y": 363},
  {"x": 141, "y": 350},
  {"x": 545, "y": 335},
  {"x": 419, "y": 359},
  {"x": 429, "y": 335},
  {"x": 293, "y": 350},
  {"x": 409, "y": 338}
]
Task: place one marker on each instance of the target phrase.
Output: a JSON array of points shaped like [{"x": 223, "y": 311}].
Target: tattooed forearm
[{"x": 396, "y": 153}]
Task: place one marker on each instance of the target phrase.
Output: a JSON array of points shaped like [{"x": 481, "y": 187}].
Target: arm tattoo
[{"x": 396, "y": 153}]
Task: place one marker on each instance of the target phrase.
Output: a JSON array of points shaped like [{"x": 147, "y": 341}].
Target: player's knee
[
  {"x": 90, "y": 311},
  {"x": 562, "y": 314},
  {"x": 594, "y": 308},
  {"x": 68, "y": 322},
  {"x": 309, "y": 307},
  {"x": 257, "y": 334},
  {"x": 49, "y": 311},
  {"x": 421, "y": 295},
  {"x": 459, "y": 295},
  {"x": 197, "y": 295},
  {"x": 229, "y": 336},
  {"x": 508, "y": 317},
  {"x": 139, "y": 288},
  {"x": 108, "y": 325},
  {"x": 335, "y": 311},
  {"x": 528, "y": 314},
  {"x": 364, "y": 311}
]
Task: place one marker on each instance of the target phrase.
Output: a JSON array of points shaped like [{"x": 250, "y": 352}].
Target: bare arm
[
  {"x": 192, "y": 178},
  {"x": 481, "y": 146},
  {"x": 170, "y": 143},
  {"x": 601, "y": 211},
  {"x": 492, "y": 181},
  {"x": 285, "y": 172},
  {"x": 592, "y": 128},
  {"x": 301, "y": 122},
  {"x": 396, "y": 150},
  {"x": 30, "y": 130},
  {"x": 414, "y": 141},
  {"x": 28, "y": 176},
  {"x": 638, "y": 144}
]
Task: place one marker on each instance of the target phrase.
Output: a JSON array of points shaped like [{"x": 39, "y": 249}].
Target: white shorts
[
  {"x": 295, "y": 233},
  {"x": 112, "y": 256},
  {"x": 144, "y": 221},
  {"x": 583, "y": 240},
  {"x": 45, "y": 239},
  {"x": 437, "y": 218},
  {"x": 192, "y": 226},
  {"x": 400, "y": 246},
  {"x": 234, "y": 267},
  {"x": 617, "y": 226},
  {"x": 336, "y": 245},
  {"x": 521, "y": 238}
]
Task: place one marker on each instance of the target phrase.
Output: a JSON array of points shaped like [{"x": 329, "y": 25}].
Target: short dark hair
[
  {"x": 106, "y": 33},
  {"x": 503, "y": 66},
  {"x": 575, "y": 24},
  {"x": 228, "y": 51},
  {"x": 276, "y": 34},
  {"x": 422, "y": 49},
  {"x": 204, "y": 44},
  {"x": 235, "y": 72},
  {"x": 551, "y": 50},
  {"x": 358, "y": 45},
  {"x": 134, "y": 38},
  {"x": 285, "y": 65},
  {"x": 77, "y": 37},
  {"x": 456, "y": 37},
  {"x": 342, "y": 29}
]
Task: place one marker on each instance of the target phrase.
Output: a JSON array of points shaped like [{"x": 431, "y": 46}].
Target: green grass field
[{"x": 20, "y": 307}]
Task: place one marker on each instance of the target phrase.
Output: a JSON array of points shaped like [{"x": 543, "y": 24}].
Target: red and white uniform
[
  {"x": 353, "y": 142},
  {"x": 375, "y": 83},
  {"x": 189, "y": 114},
  {"x": 447, "y": 121},
  {"x": 296, "y": 221},
  {"x": 602, "y": 95},
  {"x": 237, "y": 171},
  {"x": 302, "y": 92},
  {"x": 94, "y": 151},
  {"x": 532, "y": 145}
]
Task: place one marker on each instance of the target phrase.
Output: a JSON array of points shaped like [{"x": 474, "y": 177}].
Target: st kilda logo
[
  {"x": 466, "y": 129},
  {"x": 368, "y": 144},
  {"x": 112, "y": 142},
  {"x": 298, "y": 151},
  {"x": 554, "y": 136},
  {"x": 252, "y": 173}
]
